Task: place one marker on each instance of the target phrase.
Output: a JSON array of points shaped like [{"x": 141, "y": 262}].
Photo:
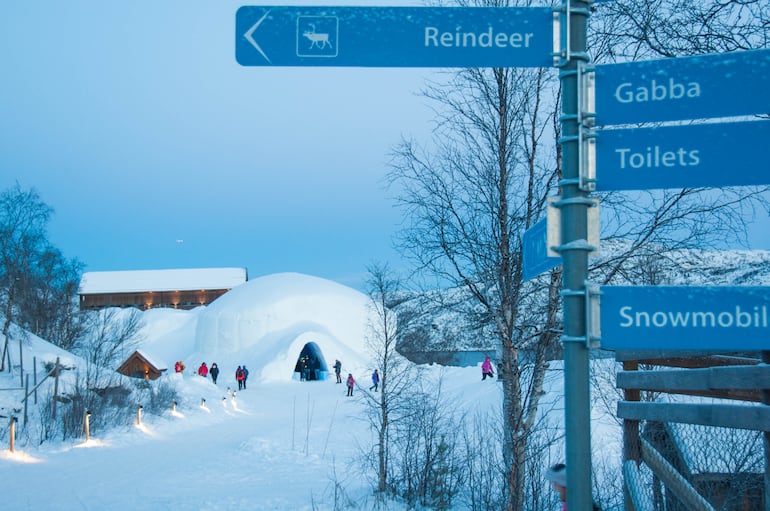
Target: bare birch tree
[
  {"x": 397, "y": 375},
  {"x": 468, "y": 204}
]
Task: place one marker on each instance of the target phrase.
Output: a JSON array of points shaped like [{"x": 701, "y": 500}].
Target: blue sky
[
  {"x": 158, "y": 150},
  {"x": 136, "y": 124}
]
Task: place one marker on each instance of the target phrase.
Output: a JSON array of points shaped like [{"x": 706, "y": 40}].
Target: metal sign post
[{"x": 574, "y": 250}]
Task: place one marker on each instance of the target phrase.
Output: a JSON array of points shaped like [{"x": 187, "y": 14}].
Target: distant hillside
[{"x": 450, "y": 320}]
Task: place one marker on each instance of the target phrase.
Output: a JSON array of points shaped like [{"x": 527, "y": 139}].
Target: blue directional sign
[
  {"x": 535, "y": 251},
  {"x": 708, "y": 86},
  {"x": 704, "y": 155},
  {"x": 394, "y": 36},
  {"x": 685, "y": 318}
]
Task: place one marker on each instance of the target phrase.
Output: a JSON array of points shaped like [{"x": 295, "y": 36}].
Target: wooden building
[
  {"x": 141, "y": 365},
  {"x": 148, "y": 289}
]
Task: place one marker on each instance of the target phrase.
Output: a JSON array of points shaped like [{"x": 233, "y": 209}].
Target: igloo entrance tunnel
[{"x": 311, "y": 364}]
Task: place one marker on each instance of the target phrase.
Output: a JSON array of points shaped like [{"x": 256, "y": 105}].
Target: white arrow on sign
[{"x": 250, "y": 33}]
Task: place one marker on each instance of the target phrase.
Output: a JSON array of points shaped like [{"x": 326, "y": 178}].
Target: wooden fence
[{"x": 742, "y": 381}]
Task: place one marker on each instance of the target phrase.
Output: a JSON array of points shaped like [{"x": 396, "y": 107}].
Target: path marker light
[
  {"x": 87, "y": 424},
  {"x": 12, "y": 435}
]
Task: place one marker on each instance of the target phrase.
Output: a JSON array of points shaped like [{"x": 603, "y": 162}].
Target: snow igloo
[{"x": 271, "y": 322}]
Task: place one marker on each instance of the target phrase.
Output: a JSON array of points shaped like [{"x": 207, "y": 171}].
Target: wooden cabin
[
  {"x": 141, "y": 365},
  {"x": 148, "y": 289}
]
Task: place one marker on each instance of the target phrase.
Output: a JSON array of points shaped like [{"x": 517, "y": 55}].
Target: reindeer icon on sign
[{"x": 317, "y": 36}]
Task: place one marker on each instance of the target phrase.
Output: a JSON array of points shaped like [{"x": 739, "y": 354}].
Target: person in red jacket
[
  {"x": 203, "y": 370},
  {"x": 351, "y": 382},
  {"x": 239, "y": 376}
]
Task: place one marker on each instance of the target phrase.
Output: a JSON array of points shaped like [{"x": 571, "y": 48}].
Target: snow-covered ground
[{"x": 280, "y": 444}]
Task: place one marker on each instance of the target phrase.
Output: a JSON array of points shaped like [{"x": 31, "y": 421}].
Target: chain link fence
[{"x": 723, "y": 466}]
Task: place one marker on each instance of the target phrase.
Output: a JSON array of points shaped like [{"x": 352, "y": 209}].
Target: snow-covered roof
[
  {"x": 133, "y": 281},
  {"x": 153, "y": 360}
]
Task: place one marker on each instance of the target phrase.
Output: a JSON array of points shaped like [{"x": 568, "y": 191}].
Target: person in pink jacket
[
  {"x": 351, "y": 383},
  {"x": 486, "y": 369},
  {"x": 203, "y": 370}
]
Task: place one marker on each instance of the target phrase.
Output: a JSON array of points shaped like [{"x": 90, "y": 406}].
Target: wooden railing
[{"x": 739, "y": 378}]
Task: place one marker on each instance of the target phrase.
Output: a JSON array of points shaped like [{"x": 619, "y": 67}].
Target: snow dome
[{"x": 270, "y": 322}]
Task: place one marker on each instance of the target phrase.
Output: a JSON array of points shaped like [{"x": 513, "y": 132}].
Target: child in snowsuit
[
  {"x": 351, "y": 382},
  {"x": 486, "y": 369},
  {"x": 203, "y": 370}
]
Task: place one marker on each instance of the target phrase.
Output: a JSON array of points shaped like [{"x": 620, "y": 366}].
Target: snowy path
[{"x": 217, "y": 460}]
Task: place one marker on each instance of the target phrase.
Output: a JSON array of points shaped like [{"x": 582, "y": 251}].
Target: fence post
[
  {"x": 34, "y": 376},
  {"x": 631, "y": 446},
  {"x": 766, "y": 402},
  {"x": 21, "y": 364},
  {"x": 26, "y": 398},
  {"x": 55, "y": 387}
]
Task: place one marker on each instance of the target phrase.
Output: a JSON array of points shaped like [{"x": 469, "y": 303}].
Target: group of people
[
  {"x": 213, "y": 371},
  {"x": 487, "y": 370},
  {"x": 351, "y": 382},
  {"x": 308, "y": 367},
  {"x": 241, "y": 374}
]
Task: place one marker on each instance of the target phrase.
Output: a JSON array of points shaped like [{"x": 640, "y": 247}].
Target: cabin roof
[{"x": 133, "y": 281}]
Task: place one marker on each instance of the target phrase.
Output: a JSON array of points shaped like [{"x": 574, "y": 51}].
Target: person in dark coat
[
  {"x": 338, "y": 370},
  {"x": 302, "y": 368},
  {"x": 214, "y": 372},
  {"x": 245, "y": 375}
]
